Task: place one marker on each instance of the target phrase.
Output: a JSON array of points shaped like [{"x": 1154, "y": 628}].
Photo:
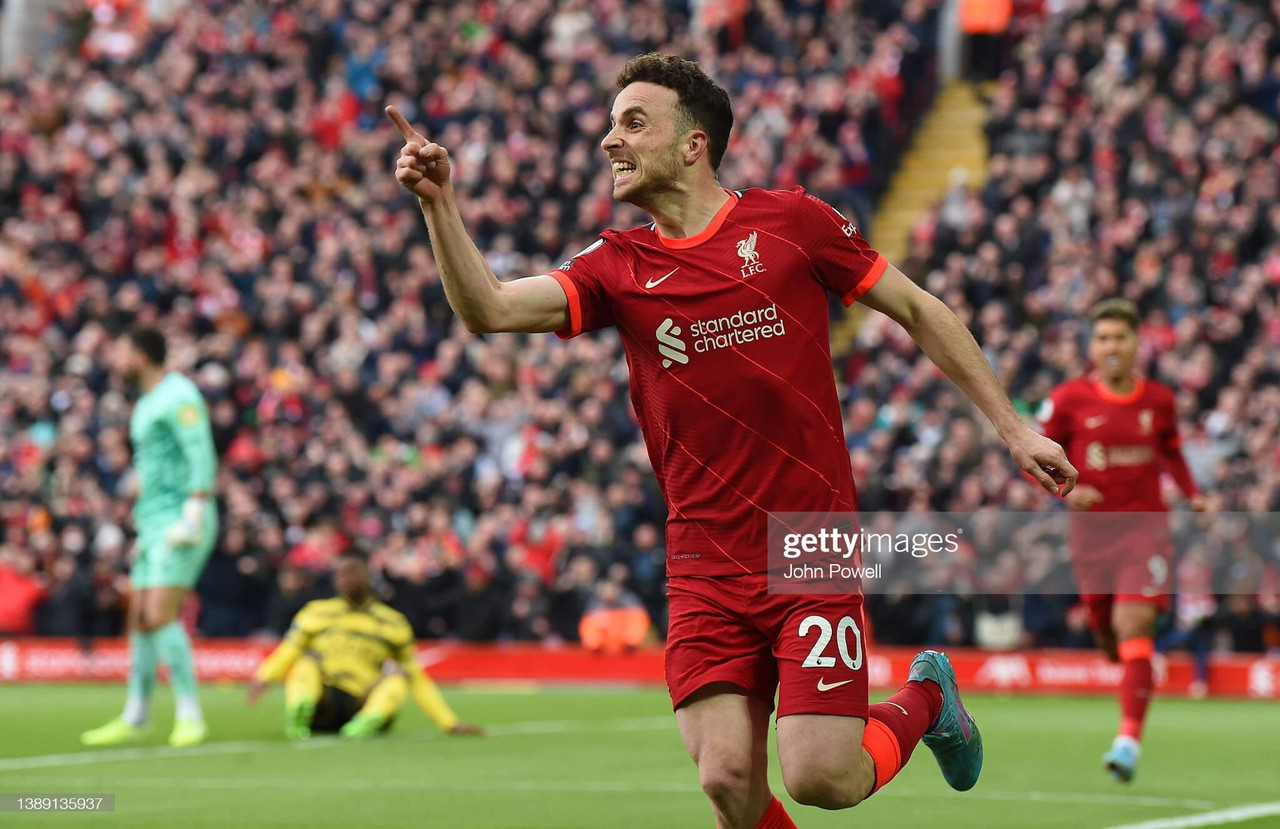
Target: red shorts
[
  {"x": 1125, "y": 569},
  {"x": 1100, "y": 605},
  {"x": 1123, "y": 554},
  {"x": 730, "y": 629}
]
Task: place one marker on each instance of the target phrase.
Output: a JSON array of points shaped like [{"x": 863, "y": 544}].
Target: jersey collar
[
  {"x": 706, "y": 233},
  {"x": 1139, "y": 384}
]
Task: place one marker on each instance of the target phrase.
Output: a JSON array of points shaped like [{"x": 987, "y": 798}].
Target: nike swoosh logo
[
  {"x": 823, "y": 686},
  {"x": 1094, "y": 422},
  {"x": 899, "y": 707},
  {"x": 653, "y": 283}
]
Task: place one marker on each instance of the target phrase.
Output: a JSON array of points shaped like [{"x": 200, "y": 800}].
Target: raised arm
[
  {"x": 951, "y": 347},
  {"x": 481, "y": 301}
]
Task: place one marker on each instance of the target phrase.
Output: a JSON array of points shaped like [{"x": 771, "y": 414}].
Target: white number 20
[{"x": 816, "y": 659}]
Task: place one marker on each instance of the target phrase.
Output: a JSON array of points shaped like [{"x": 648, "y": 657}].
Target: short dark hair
[
  {"x": 703, "y": 103},
  {"x": 150, "y": 342},
  {"x": 1116, "y": 308}
]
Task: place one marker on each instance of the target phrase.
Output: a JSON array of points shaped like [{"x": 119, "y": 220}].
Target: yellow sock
[
  {"x": 387, "y": 697},
  {"x": 304, "y": 683}
]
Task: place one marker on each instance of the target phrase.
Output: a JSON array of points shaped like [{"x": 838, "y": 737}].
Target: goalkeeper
[
  {"x": 332, "y": 659},
  {"x": 177, "y": 523}
]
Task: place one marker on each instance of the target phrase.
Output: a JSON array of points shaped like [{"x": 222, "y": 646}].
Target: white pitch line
[
  {"x": 558, "y": 786},
  {"x": 1085, "y": 797},
  {"x": 536, "y": 727},
  {"x": 1237, "y": 814},
  {"x": 116, "y": 755},
  {"x": 88, "y": 758}
]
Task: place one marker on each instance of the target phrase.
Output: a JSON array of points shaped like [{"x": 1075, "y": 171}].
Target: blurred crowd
[
  {"x": 1133, "y": 152},
  {"x": 226, "y": 174}
]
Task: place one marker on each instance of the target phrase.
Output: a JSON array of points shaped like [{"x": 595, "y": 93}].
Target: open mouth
[{"x": 622, "y": 170}]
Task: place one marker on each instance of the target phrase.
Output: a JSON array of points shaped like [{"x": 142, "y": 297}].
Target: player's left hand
[
  {"x": 1043, "y": 460},
  {"x": 1198, "y": 503},
  {"x": 466, "y": 729}
]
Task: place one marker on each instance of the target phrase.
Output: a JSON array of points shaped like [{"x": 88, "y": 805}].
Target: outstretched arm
[
  {"x": 951, "y": 347},
  {"x": 533, "y": 304},
  {"x": 428, "y": 697},
  {"x": 277, "y": 664}
]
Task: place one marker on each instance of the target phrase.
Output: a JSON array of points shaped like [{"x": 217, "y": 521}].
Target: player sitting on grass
[
  {"x": 332, "y": 663},
  {"x": 177, "y": 524}
]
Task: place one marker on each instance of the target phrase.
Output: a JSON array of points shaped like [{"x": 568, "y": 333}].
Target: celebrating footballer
[{"x": 721, "y": 304}]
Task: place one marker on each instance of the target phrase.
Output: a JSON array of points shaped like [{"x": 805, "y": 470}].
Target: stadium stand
[
  {"x": 227, "y": 176},
  {"x": 1133, "y": 152}
]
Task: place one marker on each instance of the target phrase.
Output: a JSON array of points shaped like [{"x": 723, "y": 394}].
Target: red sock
[
  {"x": 776, "y": 817},
  {"x": 1135, "y": 688},
  {"x": 897, "y": 724}
]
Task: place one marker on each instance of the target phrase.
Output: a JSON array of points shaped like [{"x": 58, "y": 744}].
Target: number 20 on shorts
[{"x": 817, "y": 657}]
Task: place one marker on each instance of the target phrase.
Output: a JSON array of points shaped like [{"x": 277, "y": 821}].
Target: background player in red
[
  {"x": 721, "y": 306},
  {"x": 1121, "y": 431}
]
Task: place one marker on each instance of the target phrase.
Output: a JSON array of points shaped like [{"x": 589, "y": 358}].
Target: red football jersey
[
  {"x": 727, "y": 339},
  {"x": 1118, "y": 443}
]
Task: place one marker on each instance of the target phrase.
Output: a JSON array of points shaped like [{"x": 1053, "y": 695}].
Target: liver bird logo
[{"x": 750, "y": 256}]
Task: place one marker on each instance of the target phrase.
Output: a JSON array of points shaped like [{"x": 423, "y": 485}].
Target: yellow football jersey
[{"x": 352, "y": 644}]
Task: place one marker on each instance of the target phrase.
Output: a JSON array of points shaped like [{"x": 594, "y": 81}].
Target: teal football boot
[{"x": 953, "y": 738}]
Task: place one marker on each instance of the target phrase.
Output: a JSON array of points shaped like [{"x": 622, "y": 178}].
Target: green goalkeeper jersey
[{"x": 172, "y": 448}]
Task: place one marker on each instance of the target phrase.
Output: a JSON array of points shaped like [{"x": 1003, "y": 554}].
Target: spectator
[
  {"x": 21, "y": 592},
  {"x": 614, "y": 621},
  {"x": 225, "y": 175}
]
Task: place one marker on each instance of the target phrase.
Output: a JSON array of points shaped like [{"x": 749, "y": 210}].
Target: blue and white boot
[{"x": 1122, "y": 759}]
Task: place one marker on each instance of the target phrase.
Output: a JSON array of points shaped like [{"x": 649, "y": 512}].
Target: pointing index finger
[{"x": 409, "y": 133}]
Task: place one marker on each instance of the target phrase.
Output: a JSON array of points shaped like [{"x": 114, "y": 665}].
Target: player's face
[
  {"x": 643, "y": 142},
  {"x": 351, "y": 579},
  {"x": 1113, "y": 348},
  {"x": 129, "y": 360}
]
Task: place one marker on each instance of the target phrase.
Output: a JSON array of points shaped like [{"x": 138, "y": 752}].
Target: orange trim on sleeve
[
  {"x": 880, "y": 743},
  {"x": 868, "y": 282},
  {"x": 575, "y": 305},
  {"x": 706, "y": 233}
]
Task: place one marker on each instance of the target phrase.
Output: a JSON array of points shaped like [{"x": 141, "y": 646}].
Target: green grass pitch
[{"x": 559, "y": 759}]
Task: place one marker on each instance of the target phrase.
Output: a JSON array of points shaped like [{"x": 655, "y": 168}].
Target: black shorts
[{"x": 336, "y": 708}]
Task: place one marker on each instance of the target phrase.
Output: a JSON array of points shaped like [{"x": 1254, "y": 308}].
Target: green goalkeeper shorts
[{"x": 160, "y": 564}]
